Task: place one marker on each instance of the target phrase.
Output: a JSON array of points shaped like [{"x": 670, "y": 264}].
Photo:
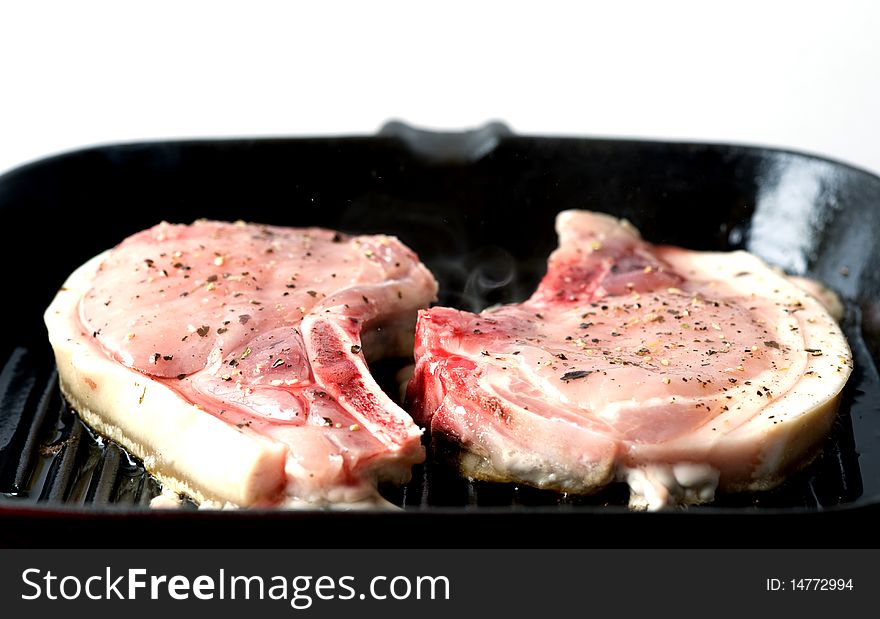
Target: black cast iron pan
[{"x": 478, "y": 207}]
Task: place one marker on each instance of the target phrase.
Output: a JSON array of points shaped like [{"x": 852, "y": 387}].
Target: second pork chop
[{"x": 677, "y": 371}]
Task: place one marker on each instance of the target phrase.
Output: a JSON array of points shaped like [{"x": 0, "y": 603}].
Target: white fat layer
[
  {"x": 657, "y": 486},
  {"x": 167, "y": 499}
]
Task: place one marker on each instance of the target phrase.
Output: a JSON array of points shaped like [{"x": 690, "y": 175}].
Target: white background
[{"x": 799, "y": 75}]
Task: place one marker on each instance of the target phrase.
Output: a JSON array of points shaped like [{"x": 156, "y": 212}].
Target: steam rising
[
  {"x": 479, "y": 279},
  {"x": 493, "y": 271}
]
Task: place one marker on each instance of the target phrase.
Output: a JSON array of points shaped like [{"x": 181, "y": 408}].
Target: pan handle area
[{"x": 448, "y": 147}]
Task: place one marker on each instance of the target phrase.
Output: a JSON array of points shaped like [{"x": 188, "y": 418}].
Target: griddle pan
[{"x": 478, "y": 207}]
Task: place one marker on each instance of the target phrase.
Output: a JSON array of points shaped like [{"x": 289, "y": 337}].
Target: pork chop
[
  {"x": 232, "y": 358},
  {"x": 677, "y": 371}
]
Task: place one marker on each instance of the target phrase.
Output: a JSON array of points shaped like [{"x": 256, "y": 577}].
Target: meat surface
[
  {"x": 232, "y": 358},
  {"x": 679, "y": 372}
]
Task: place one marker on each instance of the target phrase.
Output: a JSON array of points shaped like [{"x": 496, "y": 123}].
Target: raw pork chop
[
  {"x": 675, "y": 370},
  {"x": 231, "y": 358}
]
